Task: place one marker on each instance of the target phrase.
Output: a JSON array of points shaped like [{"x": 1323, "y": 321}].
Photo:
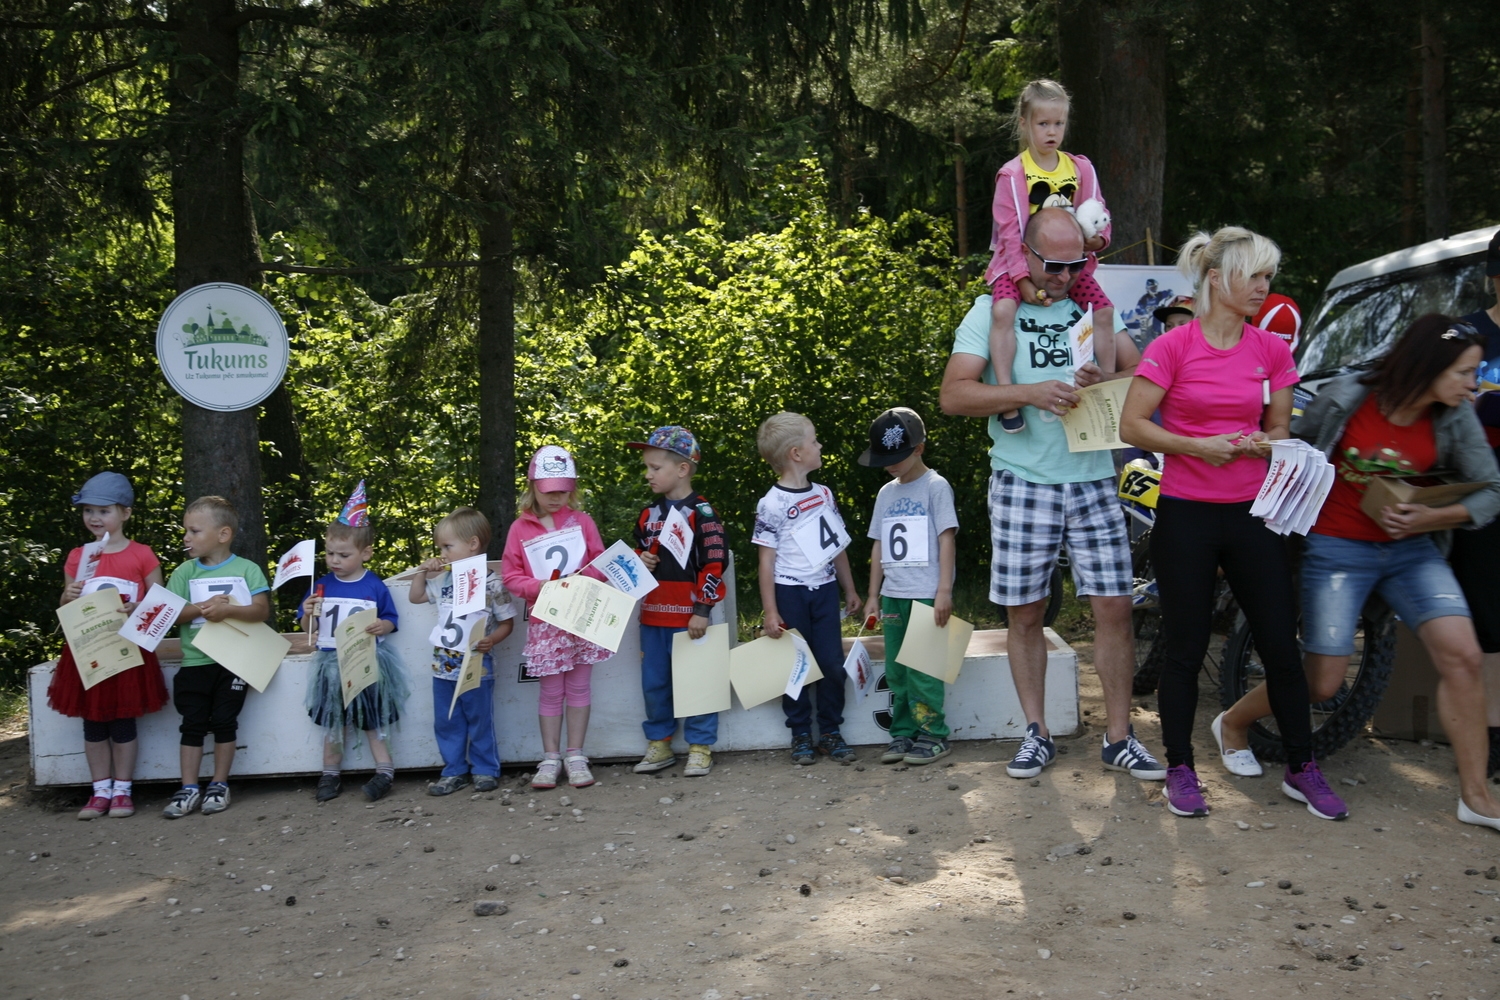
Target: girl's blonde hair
[
  {"x": 779, "y": 434},
  {"x": 529, "y": 501},
  {"x": 1034, "y": 93},
  {"x": 466, "y": 523},
  {"x": 1235, "y": 252}
]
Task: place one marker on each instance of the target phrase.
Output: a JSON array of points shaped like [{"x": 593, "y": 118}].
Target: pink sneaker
[
  {"x": 121, "y": 806},
  {"x": 1308, "y": 785},
  {"x": 97, "y": 806},
  {"x": 1183, "y": 796}
]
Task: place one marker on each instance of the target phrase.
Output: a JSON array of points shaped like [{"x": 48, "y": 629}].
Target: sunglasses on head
[
  {"x": 1057, "y": 266},
  {"x": 1462, "y": 331}
]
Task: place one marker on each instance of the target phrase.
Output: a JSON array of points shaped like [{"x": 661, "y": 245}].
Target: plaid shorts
[{"x": 1031, "y": 522}]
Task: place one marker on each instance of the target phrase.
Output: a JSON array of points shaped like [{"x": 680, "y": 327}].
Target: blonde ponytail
[{"x": 1235, "y": 252}]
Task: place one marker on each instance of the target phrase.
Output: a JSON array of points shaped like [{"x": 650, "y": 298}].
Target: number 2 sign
[{"x": 557, "y": 552}]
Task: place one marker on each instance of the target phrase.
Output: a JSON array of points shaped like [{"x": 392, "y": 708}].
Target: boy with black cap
[
  {"x": 687, "y": 589},
  {"x": 914, "y": 528}
]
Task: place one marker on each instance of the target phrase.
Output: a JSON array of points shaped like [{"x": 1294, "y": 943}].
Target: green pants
[{"x": 916, "y": 698}]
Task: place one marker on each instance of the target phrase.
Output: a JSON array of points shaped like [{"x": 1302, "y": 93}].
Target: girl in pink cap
[{"x": 550, "y": 539}]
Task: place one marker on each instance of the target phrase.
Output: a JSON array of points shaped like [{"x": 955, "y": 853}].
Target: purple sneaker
[
  {"x": 1308, "y": 785},
  {"x": 1183, "y": 797}
]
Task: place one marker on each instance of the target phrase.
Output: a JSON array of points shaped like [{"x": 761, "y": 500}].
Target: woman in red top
[
  {"x": 1411, "y": 414},
  {"x": 109, "y": 709}
]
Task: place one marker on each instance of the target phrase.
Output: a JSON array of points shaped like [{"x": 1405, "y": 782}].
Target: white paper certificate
[
  {"x": 1094, "y": 424},
  {"x": 588, "y": 608},
  {"x": 356, "y": 654},
  {"x": 92, "y": 626},
  {"x": 557, "y": 552},
  {"x": 1081, "y": 339}
]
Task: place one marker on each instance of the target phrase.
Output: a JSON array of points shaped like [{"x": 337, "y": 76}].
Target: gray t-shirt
[{"x": 908, "y": 519}]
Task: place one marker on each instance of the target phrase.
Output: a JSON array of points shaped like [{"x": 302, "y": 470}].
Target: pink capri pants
[{"x": 571, "y": 686}]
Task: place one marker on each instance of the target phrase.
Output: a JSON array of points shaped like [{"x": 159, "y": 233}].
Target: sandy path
[{"x": 1009, "y": 886}]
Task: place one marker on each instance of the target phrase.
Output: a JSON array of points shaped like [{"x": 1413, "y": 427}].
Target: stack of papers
[{"x": 1296, "y": 485}]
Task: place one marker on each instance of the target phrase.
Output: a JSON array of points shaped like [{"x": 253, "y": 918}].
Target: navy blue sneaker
[
  {"x": 1036, "y": 752},
  {"x": 802, "y": 749},
  {"x": 834, "y": 746}
]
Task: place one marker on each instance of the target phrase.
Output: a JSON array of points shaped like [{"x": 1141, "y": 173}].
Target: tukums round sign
[{"x": 222, "y": 346}]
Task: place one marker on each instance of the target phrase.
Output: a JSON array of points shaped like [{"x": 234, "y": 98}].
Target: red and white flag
[
  {"x": 153, "y": 617},
  {"x": 88, "y": 563},
  {"x": 468, "y": 585},
  {"x": 299, "y": 560}
]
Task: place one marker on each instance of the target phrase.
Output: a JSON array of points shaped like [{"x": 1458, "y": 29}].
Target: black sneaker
[
  {"x": 329, "y": 787},
  {"x": 834, "y": 746},
  {"x": 802, "y": 748},
  {"x": 448, "y": 785},
  {"x": 486, "y": 782},
  {"x": 897, "y": 751},
  {"x": 928, "y": 749},
  {"x": 378, "y": 787}
]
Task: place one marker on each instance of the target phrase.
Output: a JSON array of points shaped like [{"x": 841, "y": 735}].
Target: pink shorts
[{"x": 1085, "y": 291}]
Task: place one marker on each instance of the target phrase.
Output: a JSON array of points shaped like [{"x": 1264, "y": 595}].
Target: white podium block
[{"x": 277, "y": 738}]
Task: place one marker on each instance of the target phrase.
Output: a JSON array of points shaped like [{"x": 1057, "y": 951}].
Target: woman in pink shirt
[{"x": 1224, "y": 389}]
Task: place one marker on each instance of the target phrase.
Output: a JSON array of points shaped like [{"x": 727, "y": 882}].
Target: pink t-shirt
[{"x": 1211, "y": 392}]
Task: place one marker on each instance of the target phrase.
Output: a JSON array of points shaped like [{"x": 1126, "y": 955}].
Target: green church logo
[{"x": 224, "y": 333}]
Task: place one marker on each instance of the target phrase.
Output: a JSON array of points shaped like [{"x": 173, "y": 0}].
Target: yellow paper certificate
[
  {"x": 938, "y": 652},
  {"x": 92, "y": 626},
  {"x": 588, "y": 608},
  {"x": 1094, "y": 424},
  {"x": 471, "y": 674},
  {"x": 760, "y": 670},
  {"x": 250, "y": 650},
  {"x": 700, "y": 673},
  {"x": 356, "y": 653}
]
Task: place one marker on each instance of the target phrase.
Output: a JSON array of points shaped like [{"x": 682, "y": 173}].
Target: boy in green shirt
[{"x": 218, "y": 585}]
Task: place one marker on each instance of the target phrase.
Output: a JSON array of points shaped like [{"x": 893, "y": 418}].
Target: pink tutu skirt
[{"x": 549, "y": 650}]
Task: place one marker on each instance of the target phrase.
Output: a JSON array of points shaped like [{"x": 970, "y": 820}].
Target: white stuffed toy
[{"x": 1092, "y": 217}]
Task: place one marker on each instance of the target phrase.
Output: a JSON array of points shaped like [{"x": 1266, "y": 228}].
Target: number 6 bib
[
  {"x": 822, "y": 536},
  {"x": 904, "y": 541}
]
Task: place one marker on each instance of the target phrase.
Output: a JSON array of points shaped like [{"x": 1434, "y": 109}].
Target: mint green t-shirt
[
  {"x": 236, "y": 577},
  {"x": 1039, "y": 453}
]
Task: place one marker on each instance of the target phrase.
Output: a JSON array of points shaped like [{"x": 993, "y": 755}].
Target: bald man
[{"x": 1043, "y": 497}]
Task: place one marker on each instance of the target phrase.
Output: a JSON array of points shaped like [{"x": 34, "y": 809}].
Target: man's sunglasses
[{"x": 1057, "y": 266}]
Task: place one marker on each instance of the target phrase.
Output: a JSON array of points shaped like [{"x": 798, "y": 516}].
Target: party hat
[{"x": 356, "y": 510}]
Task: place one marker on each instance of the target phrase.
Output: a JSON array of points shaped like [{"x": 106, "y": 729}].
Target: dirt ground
[{"x": 765, "y": 880}]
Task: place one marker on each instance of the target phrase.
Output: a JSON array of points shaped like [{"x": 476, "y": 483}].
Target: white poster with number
[
  {"x": 451, "y": 631},
  {"x": 904, "y": 540},
  {"x": 205, "y": 587},
  {"x": 822, "y": 535},
  {"x": 336, "y": 610},
  {"x": 127, "y": 588},
  {"x": 557, "y": 552}
]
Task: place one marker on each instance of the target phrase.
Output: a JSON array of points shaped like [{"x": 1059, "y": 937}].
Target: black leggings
[
  {"x": 119, "y": 730},
  {"x": 1190, "y": 541}
]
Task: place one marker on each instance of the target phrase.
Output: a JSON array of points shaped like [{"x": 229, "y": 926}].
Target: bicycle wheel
[{"x": 1337, "y": 720}]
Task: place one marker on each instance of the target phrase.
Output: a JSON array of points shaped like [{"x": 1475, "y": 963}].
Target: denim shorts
[{"x": 1338, "y": 574}]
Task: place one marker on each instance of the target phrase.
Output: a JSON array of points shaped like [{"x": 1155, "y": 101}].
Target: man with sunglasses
[{"x": 1042, "y": 496}]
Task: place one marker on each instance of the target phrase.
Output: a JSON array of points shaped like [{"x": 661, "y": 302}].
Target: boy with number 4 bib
[
  {"x": 218, "y": 585},
  {"x": 802, "y": 540},
  {"x": 914, "y": 528}
]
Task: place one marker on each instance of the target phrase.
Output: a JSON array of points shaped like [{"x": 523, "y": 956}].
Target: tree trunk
[
  {"x": 1115, "y": 63},
  {"x": 1434, "y": 131},
  {"x": 214, "y": 240},
  {"x": 960, "y": 195},
  {"x": 497, "y": 370},
  {"x": 1411, "y": 160}
]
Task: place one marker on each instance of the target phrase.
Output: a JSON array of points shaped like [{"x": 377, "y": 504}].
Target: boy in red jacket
[{"x": 681, "y": 540}]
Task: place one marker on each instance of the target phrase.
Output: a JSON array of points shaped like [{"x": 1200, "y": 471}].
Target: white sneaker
[{"x": 1241, "y": 762}]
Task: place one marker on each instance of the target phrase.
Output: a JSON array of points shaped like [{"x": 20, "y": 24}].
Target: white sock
[
  {"x": 122, "y": 787},
  {"x": 104, "y": 788}
]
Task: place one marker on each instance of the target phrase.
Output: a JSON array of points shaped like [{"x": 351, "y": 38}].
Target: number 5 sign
[{"x": 822, "y": 536}]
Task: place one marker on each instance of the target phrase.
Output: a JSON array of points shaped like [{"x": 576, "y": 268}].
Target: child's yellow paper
[
  {"x": 759, "y": 670},
  {"x": 358, "y": 667},
  {"x": 588, "y": 608},
  {"x": 92, "y": 627},
  {"x": 472, "y": 672},
  {"x": 251, "y": 651},
  {"x": 937, "y": 652},
  {"x": 700, "y": 673}
]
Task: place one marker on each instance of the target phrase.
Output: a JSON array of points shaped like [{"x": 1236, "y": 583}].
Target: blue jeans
[
  {"x": 467, "y": 740},
  {"x": 1338, "y": 574},
  {"x": 656, "y": 685},
  {"x": 815, "y": 615}
]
